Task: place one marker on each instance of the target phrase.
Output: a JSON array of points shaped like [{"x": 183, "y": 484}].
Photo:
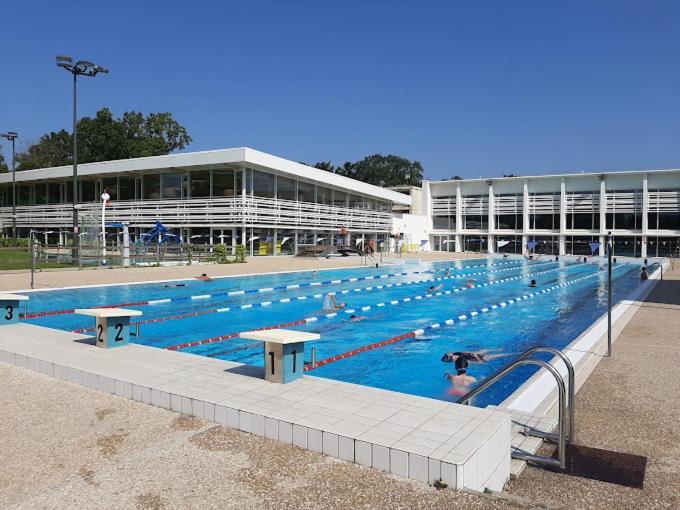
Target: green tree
[
  {"x": 3, "y": 165},
  {"x": 105, "y": 137},
  {"x": 388, "y": 170},
  {"x": 325, "y": 165}
]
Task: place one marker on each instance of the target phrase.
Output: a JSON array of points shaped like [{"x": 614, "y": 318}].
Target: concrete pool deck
[{"x": 55, "y": 278}]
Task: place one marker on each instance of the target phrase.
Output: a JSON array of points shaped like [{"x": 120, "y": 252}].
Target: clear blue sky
[{"x": 467, "y": 88}]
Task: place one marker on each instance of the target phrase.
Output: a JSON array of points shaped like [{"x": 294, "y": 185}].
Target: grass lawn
[{"x": 20, "y": 258}]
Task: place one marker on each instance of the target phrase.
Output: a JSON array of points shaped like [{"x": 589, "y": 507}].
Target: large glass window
[
  {"x": 263, "y": 184},
  {"x": 41, "y": 193},
  {"x": 324, "y": 195},
  {"x": 54, "y": 192},
  {"x": 356, "y": 202},
  {"x": 152, "y": 187},
  {"x": 126, "y": 188},
  {"x": 223, "y": 184},
  {"x": 444, "y": 222},
  {"x": 23, "y": 194},
  {"x": 285, "y": 188},
  {"x": 339, "y": 198},
  {"x": 88, "y": 191},
  {"x": 305, "y": 192},
  {"x": 200, "y": 183},
  {"x": 111, "y": 186},
  {"x": 172, "y": 186}
]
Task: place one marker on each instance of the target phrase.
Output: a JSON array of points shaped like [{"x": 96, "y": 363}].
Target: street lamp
[
  {"x": 11, "y": 136},
  {"x": 80, "y": 68}
]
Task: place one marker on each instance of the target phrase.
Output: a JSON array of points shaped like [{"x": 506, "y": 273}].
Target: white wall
[{"x": 414, "y": 228}]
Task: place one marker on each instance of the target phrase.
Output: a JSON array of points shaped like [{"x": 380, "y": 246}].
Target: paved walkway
[
  {"x": 631, "y": 404},
  {"x": 80, "y": 448},
  {"x": 14, "y": 280}
]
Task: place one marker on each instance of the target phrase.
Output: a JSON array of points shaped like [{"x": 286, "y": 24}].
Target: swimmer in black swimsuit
[
  {"x": 172, "y": 285},
  {"x": 473, "y": 357}
]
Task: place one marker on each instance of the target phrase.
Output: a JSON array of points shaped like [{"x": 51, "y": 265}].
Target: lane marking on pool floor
[
  {"x": 271, "y": 289},
  {"x": 333, "y": 315},
  {"x": 197, "y": 313},
  {"x": 447, "y": 322}
]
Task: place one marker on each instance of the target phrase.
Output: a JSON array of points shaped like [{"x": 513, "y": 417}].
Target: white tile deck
[{"x": 408, "y": 436}]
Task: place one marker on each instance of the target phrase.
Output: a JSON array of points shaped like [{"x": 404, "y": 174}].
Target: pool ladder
[{"x": 566, "y": 433}]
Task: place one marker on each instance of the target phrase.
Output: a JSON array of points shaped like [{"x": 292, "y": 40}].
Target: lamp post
[
  {"x": 11, "y": 136},
  {"x": 80, "y": 68},
  {"x": 609, "y": 293}
]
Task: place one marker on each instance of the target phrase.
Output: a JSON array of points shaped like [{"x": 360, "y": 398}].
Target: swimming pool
[{"x": 405, "y": 329}]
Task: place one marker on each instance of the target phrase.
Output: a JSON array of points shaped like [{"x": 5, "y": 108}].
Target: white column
[
  {"x": 563, "y": 217},
  {"x": 491, "y": 222},
  {"x": 244, "y": 174},
  {"x": 459, "y": 219},
  {"x": 645, "y": 219},
  {"x": 525, "y": 217},
  {"x": 603, "y": 216}
]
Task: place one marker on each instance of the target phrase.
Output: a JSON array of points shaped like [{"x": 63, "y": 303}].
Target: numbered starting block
[
  {"x": 9, "y": 308},
  {"x": 112, "y": 325},
  {"x": 284, "y": 352}
]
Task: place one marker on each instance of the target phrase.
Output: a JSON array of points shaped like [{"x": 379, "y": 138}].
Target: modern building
[
  {"x": 557, "y": 214},
  {"x": 233, "y": 196}
]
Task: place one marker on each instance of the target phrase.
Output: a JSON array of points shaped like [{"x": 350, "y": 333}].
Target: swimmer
[
  {"x": 435, "y": 289},
  {"x": 447, "y": 272},
  {"x": 314, "y": 273},
  {"x": 460, "y": 381},
  {"x": 471, "y": 283},
  {"x": 643, "y": 274},
  {"x": 330, "y": 304},
  {"x": 357, "y": 318},
  {"x": 533, "y": 284},
  {"x": 204, "y": 278},
  {"x": 601, "y": 267},
  {"x": 474, "y": 357},
  {"x": 505, "y": 255},
  {"x": 172, "y": 285}
]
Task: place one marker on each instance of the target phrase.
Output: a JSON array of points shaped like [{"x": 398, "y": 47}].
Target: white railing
[{"x": 206, "y": 212}]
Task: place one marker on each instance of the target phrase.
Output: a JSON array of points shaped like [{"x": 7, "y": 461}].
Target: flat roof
[
  {"x": 554, "y": 176},
  {"x": 236, "y": 157}
]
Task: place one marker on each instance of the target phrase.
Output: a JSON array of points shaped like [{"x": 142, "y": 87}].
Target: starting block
[{"x": 112, "y": 325}]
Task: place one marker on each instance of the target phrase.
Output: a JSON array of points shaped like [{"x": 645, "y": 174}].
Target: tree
[
  {"x": 456, "y": 178},
  {"x": 325, "y": 165},
  {"x": 104, "y": 138},
  {"x": 510, "y": 175},
  {"x": 387, "y": 170},
  {"x": 3, "y": 165}
]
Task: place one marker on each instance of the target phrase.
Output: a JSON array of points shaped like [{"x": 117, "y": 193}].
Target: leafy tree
[
  {"x": 53, "y": 149},
  {"x": 388, "y": 170},
  {"x": 325, "y": 165},
  {"x": 3, "y": 165},
  {"x": 104, "y": 138},
  {"x": 510, "y": 175},
  {"x": 456, "y": 178}
]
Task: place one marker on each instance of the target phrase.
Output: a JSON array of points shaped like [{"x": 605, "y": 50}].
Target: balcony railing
[{"x": 206, "y": 212}]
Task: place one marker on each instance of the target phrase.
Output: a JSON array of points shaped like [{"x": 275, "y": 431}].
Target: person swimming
[
  {"x": 643, "y": 274},
  {"x": 204, "y": 278},
  {"x": 461, "y": 380},
  {"x": 357, "y": 318},
  {"x": 435, "y": 289},
  {"x": 330, "y": 304},
  {"x": 533, "y": 284},
  {"x": 471, "y": 283},
  {"x": 474, "y": 357},
  {"x": 172, "y": 285}
]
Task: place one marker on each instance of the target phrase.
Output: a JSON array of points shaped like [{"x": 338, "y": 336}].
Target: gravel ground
[
  {"x": 66, "y": 446},
  {"x": 631, "y": 404}
]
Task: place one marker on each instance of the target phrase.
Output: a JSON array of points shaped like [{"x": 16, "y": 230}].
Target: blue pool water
[{"x": 412, "y": 365}]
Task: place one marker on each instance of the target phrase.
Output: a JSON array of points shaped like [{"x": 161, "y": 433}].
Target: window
[
  {"x": 126, "y": 188},
  {"x": 54, "y": 192},
  {"x": 324, "y": 196},
  {"x": 23, "y": 194},
  {"x": 285, "y": 188},
  {"x": 172, "y": 186},
  {"x": 200, "y": 183},
  {"x": 263, "y": 184},
  {"x": 339, "y": 198},
  {"x": 152, "y": 187},
  {"x": 111, "y": 186},
  {"x": 88, "y": 192},
  {"x": 41, "y": 193},
  {"x": 356, "y": 202},
  {"x": 223, "y": 184},
  {"x": 305, "y": 192}
]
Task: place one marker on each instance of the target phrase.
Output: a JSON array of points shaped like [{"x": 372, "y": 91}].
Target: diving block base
[{"x": 112, "y": 325}]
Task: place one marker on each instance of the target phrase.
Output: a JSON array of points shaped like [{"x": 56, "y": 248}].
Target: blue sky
[{"x": 467, "y": 88}]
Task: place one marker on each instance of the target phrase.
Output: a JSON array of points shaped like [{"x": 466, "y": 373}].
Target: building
[
  {"x": 233, "y": 196},
  {"x": 557, "y": 214}
]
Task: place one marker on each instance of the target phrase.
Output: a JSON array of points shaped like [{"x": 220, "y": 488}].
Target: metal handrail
[
  {"x": 571, "y": 382},
  {"x": 561, "y": 439}
]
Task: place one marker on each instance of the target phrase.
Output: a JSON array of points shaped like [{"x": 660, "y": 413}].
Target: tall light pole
[
  {"x": 610, "y": 246},
  {"x": 80, "y": 68},
  {"x": 11, "y": 136}
]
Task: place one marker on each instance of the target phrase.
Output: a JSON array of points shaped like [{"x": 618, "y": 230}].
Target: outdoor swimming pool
[{"x": 405, "y": 330}]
